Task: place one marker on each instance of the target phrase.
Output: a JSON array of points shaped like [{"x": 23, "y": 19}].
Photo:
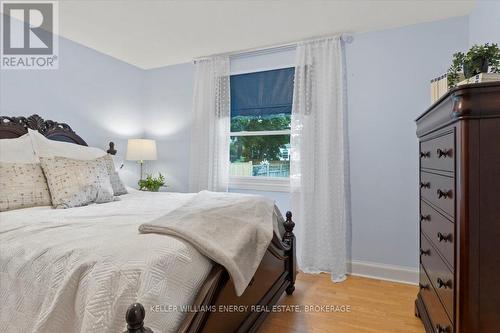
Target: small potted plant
[
  {"x": 152, "y": 184},
  {"x": 477, "y": 60}
]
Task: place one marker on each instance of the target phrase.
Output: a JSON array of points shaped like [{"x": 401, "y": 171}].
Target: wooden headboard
[{"x": 14, "y": 127}]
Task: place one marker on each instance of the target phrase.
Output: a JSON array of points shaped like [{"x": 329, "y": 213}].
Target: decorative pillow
[
  {"x": 74, "y": 183},
  {"x": 18, "y": 150},
  {"x": 116, "y": 183},
  {"x": 22, "y": 185},
  {"x": 44, "y": 147}
]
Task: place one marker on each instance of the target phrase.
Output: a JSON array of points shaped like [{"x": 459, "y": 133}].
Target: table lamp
[{"x": 141, "y": 150}]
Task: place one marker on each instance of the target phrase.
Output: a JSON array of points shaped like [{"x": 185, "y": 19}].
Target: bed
[{"x": 131, "y": 275}]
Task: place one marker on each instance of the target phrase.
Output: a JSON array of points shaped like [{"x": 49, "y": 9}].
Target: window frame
[
  {"x": 260, "y": 183},
  {"x": 261, "y": 133}
]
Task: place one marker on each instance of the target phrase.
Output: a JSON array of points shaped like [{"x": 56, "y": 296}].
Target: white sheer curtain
[
  {"x": 319, "y": 157},
  {"x": 209, "y": 166}
]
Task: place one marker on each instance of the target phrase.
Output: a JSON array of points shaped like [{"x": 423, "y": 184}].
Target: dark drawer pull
[
  {"x": 442, "y": 329},
  {"x": 425, "y": 252},
  {"x": 442, "y": 284},
  {"x": 444, "y": 152},
  {"x": 423, "y": 286},
  {"x": 425, "y": 185},
  {"x": 444, "y": 194},
  {"x": 426, "y": 154},
  {"x": 444, "y": 237},
  {"x": 425, "y": 218}
]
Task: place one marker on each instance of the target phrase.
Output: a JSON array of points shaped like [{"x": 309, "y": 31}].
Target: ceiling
[{"x": 151, "y": 34}]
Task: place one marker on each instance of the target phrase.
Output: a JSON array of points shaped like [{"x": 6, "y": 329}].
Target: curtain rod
[{"x": 346, "y": 38}]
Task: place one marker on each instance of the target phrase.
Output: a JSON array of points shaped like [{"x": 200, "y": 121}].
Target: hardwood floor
[{"x": 376, "y": 306}]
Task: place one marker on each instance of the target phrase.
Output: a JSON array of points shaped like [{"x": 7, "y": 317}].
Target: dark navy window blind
[{"x": 262, "y": 93}]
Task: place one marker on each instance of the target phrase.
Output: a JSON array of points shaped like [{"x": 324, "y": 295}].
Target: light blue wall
[
  {"x": 99, "y": 96},
  {"x": 484, "y": 22},
  {"x": 388, "y": 87},
  {"x": 167, "y": 118}
]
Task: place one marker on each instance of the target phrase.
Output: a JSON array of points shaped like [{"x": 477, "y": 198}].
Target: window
[{"x": 261, "y": 107}]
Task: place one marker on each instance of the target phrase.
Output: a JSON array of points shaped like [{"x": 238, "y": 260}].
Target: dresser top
[{"x": 468, "y": 101}]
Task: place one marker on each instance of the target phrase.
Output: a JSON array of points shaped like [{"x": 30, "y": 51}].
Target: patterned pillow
[
  {"x": 116, "y": 182},
  {"x": 22, "y": 185},
  {"x": 74, "y": 183}
]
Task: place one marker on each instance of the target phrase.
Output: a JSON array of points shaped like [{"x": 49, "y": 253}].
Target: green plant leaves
[
  {"x": 475, "y": 61},
  {"x": 151, "y": 184}
]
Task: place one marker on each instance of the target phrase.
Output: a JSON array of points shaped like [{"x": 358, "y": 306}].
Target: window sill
[{"x": 272, "y": 184}]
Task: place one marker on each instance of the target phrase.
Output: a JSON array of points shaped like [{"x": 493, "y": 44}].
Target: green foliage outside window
[{"x": 258, "y": 148}]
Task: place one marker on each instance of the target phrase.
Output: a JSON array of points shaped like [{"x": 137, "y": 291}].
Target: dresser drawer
[
  {"x": 433, "y": 306},
  {"x": 439, "y": 274},
  {"x": 439, "y": 191},
  {"x": 438, "y": 153},
  {"x": 439, "y": 230}
]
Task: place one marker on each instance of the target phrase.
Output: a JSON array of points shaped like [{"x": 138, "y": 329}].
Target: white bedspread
[{"x": 59, "y": 271}]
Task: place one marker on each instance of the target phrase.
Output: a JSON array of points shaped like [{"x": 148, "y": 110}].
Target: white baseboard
[{"x": 374, "y": 270}]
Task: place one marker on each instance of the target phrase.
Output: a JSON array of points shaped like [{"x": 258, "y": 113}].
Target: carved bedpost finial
[
  {"x": 289, "y": 225},
  {"x": 291, "y": 265},
  {"x": 135, "y": 319},
  {"x": 111, "y": 150}
]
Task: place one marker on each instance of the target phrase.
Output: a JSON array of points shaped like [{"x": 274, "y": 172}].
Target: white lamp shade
[{"x": 141, "y": 150}]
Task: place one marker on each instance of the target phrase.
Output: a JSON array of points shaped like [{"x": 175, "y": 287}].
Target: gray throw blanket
[{"x": 232, "y": 229}]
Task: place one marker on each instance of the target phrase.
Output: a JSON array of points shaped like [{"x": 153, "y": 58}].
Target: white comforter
[
  {"x": 239, "y": 238},
  {"x": 59, "y": 271}
]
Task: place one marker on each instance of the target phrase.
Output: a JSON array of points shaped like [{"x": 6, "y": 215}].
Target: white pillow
[
  {"x": 18, "y": 150},
  {"x": 49, "y": 148}
]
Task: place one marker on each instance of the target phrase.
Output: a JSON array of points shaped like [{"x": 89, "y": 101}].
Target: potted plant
[
  {"x": 477, "y": 60},
  {"x": 152, "y": 184}
]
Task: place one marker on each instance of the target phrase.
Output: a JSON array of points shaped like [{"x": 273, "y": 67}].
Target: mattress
[{"x": 78, "y": 269}]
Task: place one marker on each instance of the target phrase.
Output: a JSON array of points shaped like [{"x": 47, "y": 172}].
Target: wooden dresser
[{"x": 460, "y": 211}]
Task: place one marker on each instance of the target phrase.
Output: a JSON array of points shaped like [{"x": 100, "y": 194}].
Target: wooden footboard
[{"x": 275, "y": 275}]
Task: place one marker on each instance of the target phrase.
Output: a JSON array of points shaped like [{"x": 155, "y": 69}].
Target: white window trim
[
  {"x": 261, "y": 133},
  {"x": 272, "y": 184}
]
